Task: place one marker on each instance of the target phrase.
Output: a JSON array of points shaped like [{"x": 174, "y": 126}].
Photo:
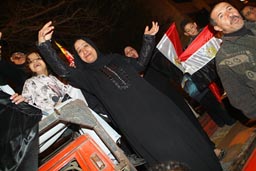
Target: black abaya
[{"x": 155, "y": 127}]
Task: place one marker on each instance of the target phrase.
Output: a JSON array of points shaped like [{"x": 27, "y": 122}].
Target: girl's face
[
  {"x": 86, "y": 52},
  {"x": 36, "y": 64}
]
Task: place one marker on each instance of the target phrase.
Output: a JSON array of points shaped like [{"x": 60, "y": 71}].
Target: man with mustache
[{"x": 236, "y": 59}]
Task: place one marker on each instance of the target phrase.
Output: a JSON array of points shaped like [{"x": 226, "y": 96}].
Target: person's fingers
[
  {"x": 72, "y": 65},
  {"x": 153, "y": 24},
  {"x": 46, "y": 30},
  {"x": 13, "y": 96},
  {"x": 146, "y": 29},
  {"x": 153, "y": 30},
  {"x": 156, "y": 27},
  {"x": 47, "y": 26},
  {"x": 18, "y": 99}
]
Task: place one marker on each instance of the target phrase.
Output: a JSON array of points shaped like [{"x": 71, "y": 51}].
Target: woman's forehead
[{"x": 80, "y": 42}]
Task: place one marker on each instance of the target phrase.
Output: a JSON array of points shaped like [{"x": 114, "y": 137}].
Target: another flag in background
[
  {"x": 67, "y": 54},
  {"x": 170, "y": 46},
  {"x": 202, "y": 50}
]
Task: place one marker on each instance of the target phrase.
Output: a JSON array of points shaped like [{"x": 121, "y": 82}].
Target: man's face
[
  {"x": 249, "y": 13},
  {"x": 227, "y": 18}
]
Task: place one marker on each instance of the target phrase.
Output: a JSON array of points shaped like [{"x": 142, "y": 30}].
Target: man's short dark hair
[{"x": 212, "y": 22}]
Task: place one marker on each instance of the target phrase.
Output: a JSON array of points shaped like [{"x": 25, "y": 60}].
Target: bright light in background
[{"x": 244, "y": 1}]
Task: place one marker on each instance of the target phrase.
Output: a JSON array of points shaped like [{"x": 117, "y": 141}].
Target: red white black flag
[
  {"x": 201, "y": 51},
  {"x": 170, "y": 46}
]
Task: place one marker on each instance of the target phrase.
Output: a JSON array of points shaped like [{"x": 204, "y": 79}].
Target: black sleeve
[
  {"x": 53, "y": 60},
  {"x": 145, "y": 54},
  {"x": 18, "y": 131}
]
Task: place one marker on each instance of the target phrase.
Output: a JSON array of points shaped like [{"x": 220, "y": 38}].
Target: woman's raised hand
[
  {"x": 154, "y": 29},
  {"x": 46, "y": 32}
]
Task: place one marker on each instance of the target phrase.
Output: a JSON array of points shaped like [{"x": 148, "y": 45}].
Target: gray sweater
[{"x": 236, "y": 67}]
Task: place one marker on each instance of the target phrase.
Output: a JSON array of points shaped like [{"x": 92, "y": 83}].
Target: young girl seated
[{"x": 46, "y": 92}]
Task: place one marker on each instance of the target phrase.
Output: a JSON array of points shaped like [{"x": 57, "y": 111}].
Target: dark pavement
[{"x": 238, "y": 141}]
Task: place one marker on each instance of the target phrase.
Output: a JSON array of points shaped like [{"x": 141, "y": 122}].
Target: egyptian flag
[
  {"x": 67, "y": 54},
  {"x": 170, "y": 46},
  {"x": 201, "y": 51}
]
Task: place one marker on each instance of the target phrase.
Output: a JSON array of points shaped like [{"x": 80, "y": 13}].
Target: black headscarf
[{"x": 100, "y": 61}]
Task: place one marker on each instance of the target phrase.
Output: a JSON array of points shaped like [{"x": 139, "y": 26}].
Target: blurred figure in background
[
  {"x": 12, "y": 70},
  {"x": 249, "y": 13}
]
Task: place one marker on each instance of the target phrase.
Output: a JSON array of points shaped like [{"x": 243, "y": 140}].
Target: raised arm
[
  {"x": 148, "y": 45},
  {"x": 48, "y": 53}
]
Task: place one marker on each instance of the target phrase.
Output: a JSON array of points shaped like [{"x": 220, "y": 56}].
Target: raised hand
[
  {"x": 154, "y": 29},
  {"x": 46, "y": 32}
]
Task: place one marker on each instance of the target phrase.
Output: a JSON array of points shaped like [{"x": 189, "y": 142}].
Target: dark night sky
[{"x": 113, "y": 24}]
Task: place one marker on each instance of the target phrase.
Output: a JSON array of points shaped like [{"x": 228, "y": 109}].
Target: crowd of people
[{"x": 137, "y": 93}]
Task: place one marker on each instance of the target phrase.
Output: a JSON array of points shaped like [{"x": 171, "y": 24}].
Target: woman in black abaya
[{"x": 155, "y": 127}]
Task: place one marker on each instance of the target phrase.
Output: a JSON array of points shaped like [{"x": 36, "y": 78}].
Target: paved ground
[{"x": 239, "y": 141}]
